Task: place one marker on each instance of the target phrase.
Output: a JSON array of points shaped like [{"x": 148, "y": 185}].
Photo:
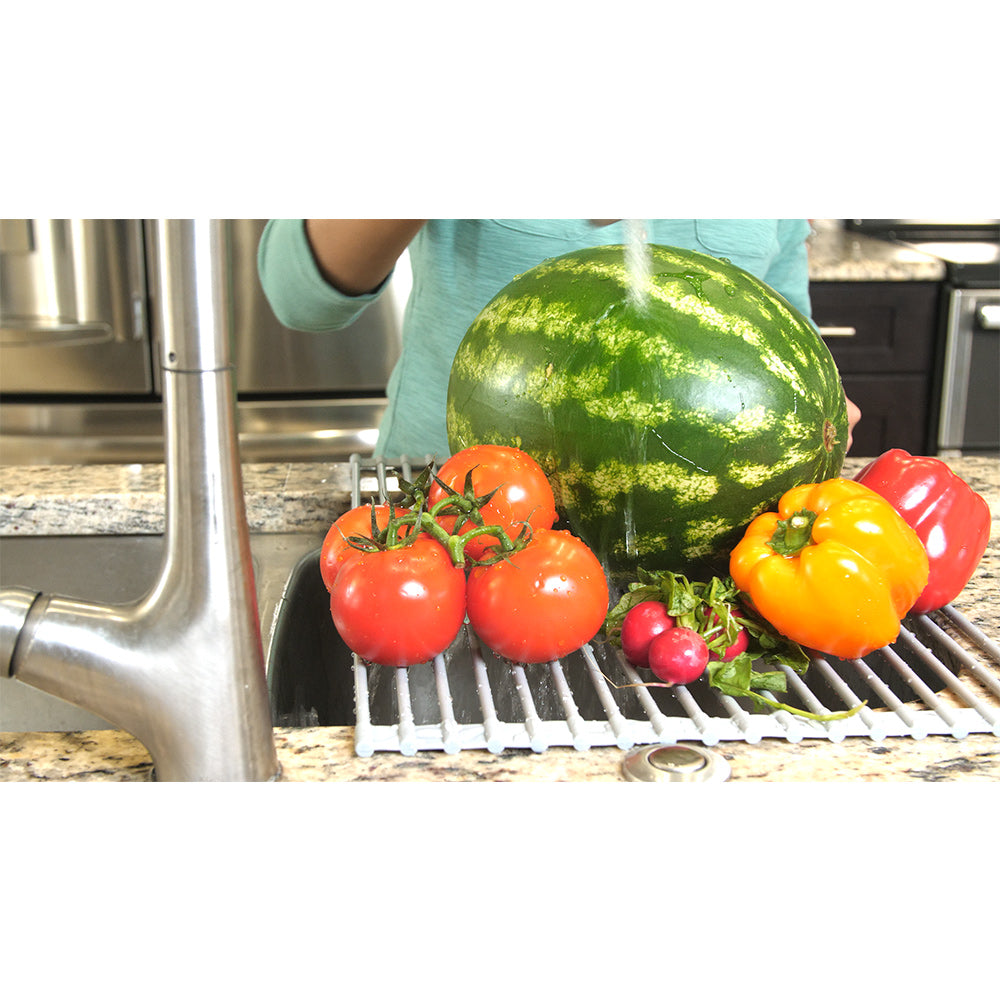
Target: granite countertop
[
  {"x": 838, "y": 255},
  {"x": 128, "y": 499},
  {"x": 304, "y": 497},
  {"x": 327, "y": 755}
]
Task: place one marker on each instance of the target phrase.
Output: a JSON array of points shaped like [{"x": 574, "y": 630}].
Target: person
[{"x": 319, "y": 274}]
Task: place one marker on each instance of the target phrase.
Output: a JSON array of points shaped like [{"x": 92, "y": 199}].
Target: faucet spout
[{"x": 182, "y": 668}]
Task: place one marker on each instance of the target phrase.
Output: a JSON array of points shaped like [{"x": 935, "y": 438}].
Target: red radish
[
  {"x": 731, "y": 652},
  {"x": 678, "y": 655},
  {"x": 740, "y": 643},
  {"x": 640, "y": 626}
]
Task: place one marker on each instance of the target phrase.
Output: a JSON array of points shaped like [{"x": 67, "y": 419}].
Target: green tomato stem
[{"x": 425, "y": 521}]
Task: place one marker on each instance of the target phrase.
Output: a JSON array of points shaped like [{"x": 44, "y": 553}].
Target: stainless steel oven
[
  {"x": 970, "y": 391},
  {"x": 968, "y": 387},
  {"x": 79, "y": 371}
]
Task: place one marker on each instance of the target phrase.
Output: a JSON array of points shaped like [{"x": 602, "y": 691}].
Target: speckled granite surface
[
  {"x": 128, "y": 499},
  {"x": 327, "y": 755},
  {"x": 116, "y": 499},
  {"x": 836, "y": 255},
  {"x": 113, "y": 499}
]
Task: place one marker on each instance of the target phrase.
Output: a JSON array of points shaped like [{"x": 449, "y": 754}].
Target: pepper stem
[{"x": 790, "y": 537}]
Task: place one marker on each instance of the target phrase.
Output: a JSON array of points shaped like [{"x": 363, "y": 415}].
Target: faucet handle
[{"x": 15, "y": 603}]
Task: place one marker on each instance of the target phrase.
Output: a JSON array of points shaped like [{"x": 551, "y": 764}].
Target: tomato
[
  {"x": 542, "y": 601},
  {"x": 336, "y": 548},
  {"x": 522, "y": 491},
  {"x": 678, "y": 656},
  {"x": 642, "y": 623},
  {"x": 399, "y": 606}
]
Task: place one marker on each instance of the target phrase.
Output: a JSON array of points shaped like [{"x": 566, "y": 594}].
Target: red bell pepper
[{"x": 949, "y": 517}]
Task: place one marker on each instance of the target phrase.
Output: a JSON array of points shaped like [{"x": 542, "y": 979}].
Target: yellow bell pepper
[{"x": 836, "y": 569}]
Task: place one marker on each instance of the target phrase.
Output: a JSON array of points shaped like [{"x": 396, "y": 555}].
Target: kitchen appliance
[
  {"x": 942, "y": 677},
  {"x": 967, "y": 394},
  {"x": 80, "y": 329},
  {"x": 73, "y": 307}
]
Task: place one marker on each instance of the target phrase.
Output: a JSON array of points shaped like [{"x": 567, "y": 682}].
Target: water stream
[{"x": 638, "y": 261}]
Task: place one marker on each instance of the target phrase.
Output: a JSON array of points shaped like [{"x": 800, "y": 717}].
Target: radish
[
  {"x": 731, "y": 652},
  {"x": 678, "y": 655},
  {"x": 740, "y": 643},
  {"x": 640, "y": 626}
]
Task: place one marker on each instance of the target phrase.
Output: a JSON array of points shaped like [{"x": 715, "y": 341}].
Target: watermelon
[{"x": 665, "y": 421}]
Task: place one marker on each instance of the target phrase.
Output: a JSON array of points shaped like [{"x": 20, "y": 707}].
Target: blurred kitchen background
[
  {"x": 79, "y": 383},
  {"x": 79, "y": 376}
]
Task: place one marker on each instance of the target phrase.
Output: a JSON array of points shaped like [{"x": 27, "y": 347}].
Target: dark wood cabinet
[{"x": 883, "y": 336}]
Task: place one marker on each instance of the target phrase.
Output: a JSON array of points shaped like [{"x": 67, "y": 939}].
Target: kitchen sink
[
  {"x": 309, "y": 667},
  {"x": 113, "y": 569},
  {"x": 468, "y": 697},
  {"x": 311, "y": 676}
]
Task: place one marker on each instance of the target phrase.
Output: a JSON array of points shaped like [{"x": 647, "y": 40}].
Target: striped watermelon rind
[{"x": 664, "y": 426}]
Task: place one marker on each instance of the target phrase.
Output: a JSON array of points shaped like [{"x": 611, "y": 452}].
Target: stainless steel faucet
[{"x": 182, "y": 669}]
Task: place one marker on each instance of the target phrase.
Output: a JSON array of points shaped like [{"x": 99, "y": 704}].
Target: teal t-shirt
[{"x": 460, "y": 264}]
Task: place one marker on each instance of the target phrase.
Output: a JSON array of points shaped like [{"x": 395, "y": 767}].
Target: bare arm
[{"x": 356, "y": 255}]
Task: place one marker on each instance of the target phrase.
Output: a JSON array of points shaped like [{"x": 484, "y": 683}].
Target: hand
[{"x": 853, "y": 416}]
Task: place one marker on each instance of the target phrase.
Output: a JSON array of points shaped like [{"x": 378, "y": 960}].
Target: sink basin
[
  {"x": 311, "y": 678},
  {"x": 113, "y": 569},
  {"x": 309, "y": 667},
  {"x": 311, "y": 683}
]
